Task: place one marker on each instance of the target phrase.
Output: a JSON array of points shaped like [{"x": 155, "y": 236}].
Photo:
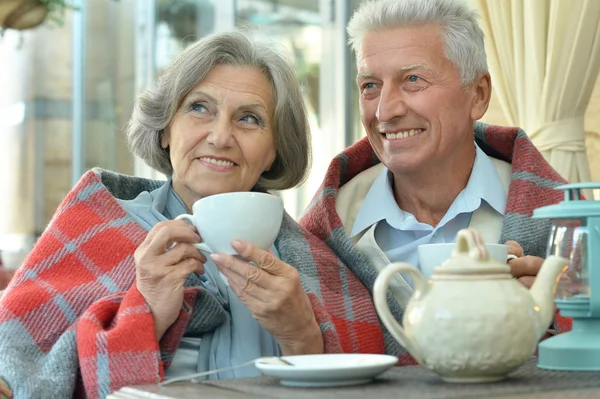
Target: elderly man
[{"x": 426, "y": 168}]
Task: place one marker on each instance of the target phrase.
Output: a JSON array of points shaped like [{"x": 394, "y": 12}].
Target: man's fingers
[
  {"x": 525, "y": 266},
  {"x": 514, "y": 248},
  {"x": 527, "y": 281}
]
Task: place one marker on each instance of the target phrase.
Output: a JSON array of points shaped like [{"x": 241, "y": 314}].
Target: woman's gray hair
[
  {"x": 463, "y": 37},
  {"x": 157, "y": 105}
]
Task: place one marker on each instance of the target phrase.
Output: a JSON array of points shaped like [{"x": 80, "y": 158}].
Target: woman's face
[{"x": 221, "y": 137}]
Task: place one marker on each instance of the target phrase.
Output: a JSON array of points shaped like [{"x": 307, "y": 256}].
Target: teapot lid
[{"x": 470, "y": 256}]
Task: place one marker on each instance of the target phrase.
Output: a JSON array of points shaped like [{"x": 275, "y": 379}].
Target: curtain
[{"x": 544, "y": 58}]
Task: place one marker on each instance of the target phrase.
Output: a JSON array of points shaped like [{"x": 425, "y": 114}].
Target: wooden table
[{"x": 400, "y": 382}]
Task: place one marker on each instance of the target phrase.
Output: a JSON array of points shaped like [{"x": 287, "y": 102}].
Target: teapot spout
[{"x": 544, "y": 289}]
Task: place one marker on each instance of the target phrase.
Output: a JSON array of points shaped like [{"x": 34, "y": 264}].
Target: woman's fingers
[
  {"x": 180, "y": 252},
  {"x": 247, "y": 272},
  {"x": 165, "y": 234},
  {"x": 265, "y": 260},
  {"x": 187, "y": 266}
]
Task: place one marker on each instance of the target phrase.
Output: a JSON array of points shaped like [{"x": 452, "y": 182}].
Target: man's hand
[{"x": 523, "y": 268}]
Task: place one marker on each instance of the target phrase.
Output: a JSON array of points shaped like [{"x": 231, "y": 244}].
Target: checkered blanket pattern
[{"x": 73, "y": 324}]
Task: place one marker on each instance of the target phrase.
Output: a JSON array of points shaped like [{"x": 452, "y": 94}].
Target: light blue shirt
[{"x": 399, "y": 234}]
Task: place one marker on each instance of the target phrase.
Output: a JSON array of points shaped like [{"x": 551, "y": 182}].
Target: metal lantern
[{"x": 575, "y": 236}]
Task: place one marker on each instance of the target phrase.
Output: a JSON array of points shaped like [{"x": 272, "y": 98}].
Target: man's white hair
[{"x": 462, "y": 35}]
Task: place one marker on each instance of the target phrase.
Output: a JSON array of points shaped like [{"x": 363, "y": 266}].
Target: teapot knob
[{"x": 469, "y": 242}]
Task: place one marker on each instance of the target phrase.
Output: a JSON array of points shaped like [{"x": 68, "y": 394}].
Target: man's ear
[{"x": 482, "y": 93}]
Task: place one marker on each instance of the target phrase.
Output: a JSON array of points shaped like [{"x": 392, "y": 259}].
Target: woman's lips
[{"x": 217, "y": 164}]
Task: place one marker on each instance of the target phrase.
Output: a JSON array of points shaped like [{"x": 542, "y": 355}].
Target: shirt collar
[
  {"x": 378, "y": 204},
  {"x": 484, "y": 184}
]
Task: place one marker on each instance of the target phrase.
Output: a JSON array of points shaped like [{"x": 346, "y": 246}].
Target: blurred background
[{"x": 68, "y": 85}]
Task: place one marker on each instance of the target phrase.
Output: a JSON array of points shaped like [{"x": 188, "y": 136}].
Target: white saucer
[{"x": 326, "y": 370}]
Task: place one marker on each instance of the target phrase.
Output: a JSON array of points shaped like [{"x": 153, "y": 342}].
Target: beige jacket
[{"x": 351, "y": 196}]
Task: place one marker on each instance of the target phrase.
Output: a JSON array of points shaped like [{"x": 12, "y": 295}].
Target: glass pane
[
  {"x": 296, "y": 25},
  {"x": 178, "y": 24},
  {"x": 568, "y": 239},
  {"x": 109, "y": 83},
  {"x": 37, "y": 93},
  {"x": 358, "y": 130},
  {"x": 22, "y": 123}
]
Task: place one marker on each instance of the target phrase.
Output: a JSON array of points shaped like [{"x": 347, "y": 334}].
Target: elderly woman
[{"x": 115, "y": 293}]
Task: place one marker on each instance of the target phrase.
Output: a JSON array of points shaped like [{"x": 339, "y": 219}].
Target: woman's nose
[{"x": 221, "y": 134}]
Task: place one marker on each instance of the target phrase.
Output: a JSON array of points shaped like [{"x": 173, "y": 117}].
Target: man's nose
[
  {"x": 221, "y": 134},
  {"x": 391, "y": 104}
]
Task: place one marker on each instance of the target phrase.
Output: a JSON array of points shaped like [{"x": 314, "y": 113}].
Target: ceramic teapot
[{"x": 472, "y": 321}]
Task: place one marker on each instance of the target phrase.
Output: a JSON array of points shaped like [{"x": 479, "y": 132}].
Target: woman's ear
[
  {"x": 270, "y": 164},
  {"x": 165, "y": 138}
]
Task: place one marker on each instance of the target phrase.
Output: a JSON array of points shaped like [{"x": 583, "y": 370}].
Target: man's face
[{"x": 415, "y": 110}]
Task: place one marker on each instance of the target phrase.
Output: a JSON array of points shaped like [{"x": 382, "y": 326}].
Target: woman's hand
[
  {"x": 162, "y": 268},
  {"x": 274, "y": 295},
  {"x": 5, "y": 392}
]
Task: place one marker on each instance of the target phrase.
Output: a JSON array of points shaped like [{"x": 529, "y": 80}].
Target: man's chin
[{"x": 406, "y": 166}]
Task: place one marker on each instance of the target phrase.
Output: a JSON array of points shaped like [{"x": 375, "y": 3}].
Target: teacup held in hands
[{"x": 248, "y": 216}]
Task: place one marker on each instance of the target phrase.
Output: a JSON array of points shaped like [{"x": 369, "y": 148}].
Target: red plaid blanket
[{"x": 72, "y": 322}]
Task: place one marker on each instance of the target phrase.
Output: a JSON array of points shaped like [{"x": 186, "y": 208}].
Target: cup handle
[
  {"x": 187, "y": 217},
  {"x": 380, "y": 287},
  {"x": 202, "y": 246}
]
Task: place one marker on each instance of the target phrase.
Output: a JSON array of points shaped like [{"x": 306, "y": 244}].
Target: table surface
[{"x": 400, "y": 382}]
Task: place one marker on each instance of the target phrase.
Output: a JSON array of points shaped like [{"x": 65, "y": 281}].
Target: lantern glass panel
[{"x": 569, "y": 239}]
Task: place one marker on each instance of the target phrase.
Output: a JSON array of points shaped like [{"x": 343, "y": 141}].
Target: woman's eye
[
  {"x": 413, "y": 78},
  {"x": 250, "y": 118},
  {"x": 198, "y": 107}
]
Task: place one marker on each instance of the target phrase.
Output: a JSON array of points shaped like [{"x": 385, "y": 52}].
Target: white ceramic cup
[
  {"x": 433, "y": 255},
  {"x": 248, "y": 216}
]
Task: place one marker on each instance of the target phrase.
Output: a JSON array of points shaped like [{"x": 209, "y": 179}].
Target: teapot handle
[{"x": 381, "y": 304}]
